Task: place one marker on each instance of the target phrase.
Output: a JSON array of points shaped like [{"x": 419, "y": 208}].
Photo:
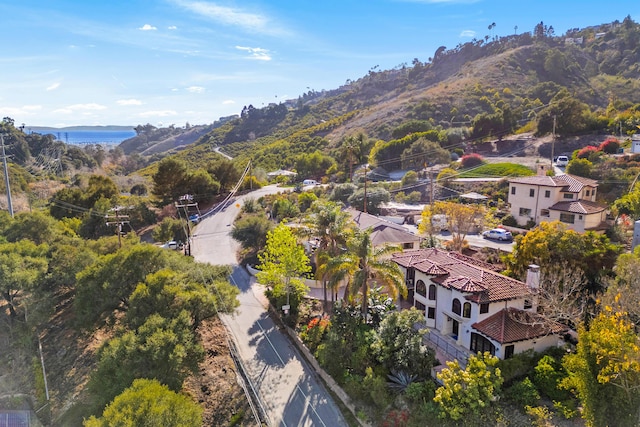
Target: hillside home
[
  {"x": 567, "y": 198},
  {"x": 385, "y": 232},
  {"x": 469, "y": 307}
]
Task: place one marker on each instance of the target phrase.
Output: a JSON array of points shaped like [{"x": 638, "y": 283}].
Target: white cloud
[
  {"x": 468, "y": 33},
  {"x": 195, "y": 89},
  {"x": 53, "y": 87},
  {"x": 256, "y": 53},
  {"x": 172, "y": 27},
  {"x": 129, "y": 102},
  {"x": 25, "y": 110},
  {"x": 228, "y": 102},
  {"x": 252, "y": 22},
  {"x": 147, "y": 27},
  {"x": 158, "y": 113},
  {"x": 80, "y": 108}
]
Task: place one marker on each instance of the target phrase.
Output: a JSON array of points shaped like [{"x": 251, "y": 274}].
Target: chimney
[
  {"x": 542, "y": 169},
  {"x": 533, "y": 278}
]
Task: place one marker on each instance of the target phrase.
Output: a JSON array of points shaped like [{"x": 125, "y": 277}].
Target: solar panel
[{"x": 14, "y": 419}]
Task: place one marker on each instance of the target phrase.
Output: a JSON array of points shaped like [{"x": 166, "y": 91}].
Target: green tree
[
  {"x": 605, "y": 370},
  {"x": 580, "y": 167},
  {"x": 398, "y": 345},
  {"x": 328, "y": 222},
  {"x": 251, "y": 231},
  {"x": 226, "y": 173},
  {"x": 168, "y": 293},
  {"x": 423, "y": 152},
  {"x": 571, "y": 115},
  {"x": 365, "y": 266},
  {"x": 201, "y": 186},
  {"x": 147, "y": 403},
  {"x": 37, "y": 227},
  {"x": 552, "y": 243},
  {"x": 22, "y": 267},
  {"x": 374, "y": 197},
  {"x": 469, "y": 394},
  {"x": 164, "y": 349},
  {"x": 282, "y": 264},
  {"x": 106, "y": 285},
  {"x": 169, "y": 180}
]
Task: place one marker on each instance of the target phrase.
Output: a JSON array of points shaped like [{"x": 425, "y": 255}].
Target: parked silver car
[{"x": 498, "y": 234}]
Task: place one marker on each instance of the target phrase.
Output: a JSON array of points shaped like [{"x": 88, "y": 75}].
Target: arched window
[
  {"x": 481, "y": 344},
  {"x": 432, "y": 292},
  {"x": 466, "y": 310},
  {"x": 455, "y": 306},
  {"x": 421, "y": 288}
]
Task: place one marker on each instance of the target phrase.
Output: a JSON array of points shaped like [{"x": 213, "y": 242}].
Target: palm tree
[
  {"x": 332, "y": 226},
  {"x": 366, "y": 267}
]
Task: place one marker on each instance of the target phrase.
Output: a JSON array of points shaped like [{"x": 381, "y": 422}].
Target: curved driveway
[{"x": 290, "y": 392}]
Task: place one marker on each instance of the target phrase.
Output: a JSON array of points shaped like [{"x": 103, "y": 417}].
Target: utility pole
[
  {"x": 365, "y": 188},
  {"x": 553, "y": 140},
  {"x": 118, "y": 221},
  {"x": 6, "y": 176},
  {"x": 186, "y": 202},
  {"x": 431, "y": 190}
]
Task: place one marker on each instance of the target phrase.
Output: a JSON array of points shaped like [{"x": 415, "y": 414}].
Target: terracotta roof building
[{"x": 470, "y": 305}]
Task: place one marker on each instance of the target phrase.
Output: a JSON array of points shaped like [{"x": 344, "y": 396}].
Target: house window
[
  {"x": 568, "y": 196},
  {"x": 508, "y": 351},
  {"x": 432, "y": 292},
  {"x": 580, "y": 217},
  {"x": 525, "y": 212},
  {"x": 456, "y": 307},
  {"x": 421, "y": 288},
  {"x": 544, "y": 212},
  {"x": 466, "y": 310},
  {"x": 568, "y": 218},
  {"x": 587, "y": 193},
  {"x": 547, "y": 193},
  {"x": 481, "y": 344},
  {"x": 513, "y": 190},
  {"x": 407, "y": 246},
  {"x": 431, "y": 313},
  {"x": 532, "y": 192},
  {"x": 527, "y": 304},
  {"x": 420, "y": 306},
  {"x": 484, "y": 308}
]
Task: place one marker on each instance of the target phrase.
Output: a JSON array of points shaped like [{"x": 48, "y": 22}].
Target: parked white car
[{"x": 562, "y": 161}]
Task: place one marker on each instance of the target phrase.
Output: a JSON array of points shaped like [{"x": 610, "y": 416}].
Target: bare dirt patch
[{"x": 216, "y": 387}]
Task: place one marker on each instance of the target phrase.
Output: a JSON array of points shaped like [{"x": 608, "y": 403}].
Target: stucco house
[
  {"x": 469, "y": 307},
  {"x": 567, "y": 198}
]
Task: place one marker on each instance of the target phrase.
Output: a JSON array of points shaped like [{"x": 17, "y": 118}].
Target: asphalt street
[{"x": 289, "y": 390}]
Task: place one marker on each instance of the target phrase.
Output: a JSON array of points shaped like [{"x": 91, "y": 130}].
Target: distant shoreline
[{"x": 48, "y": 129}]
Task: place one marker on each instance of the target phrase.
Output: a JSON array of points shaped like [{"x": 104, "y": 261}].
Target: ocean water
[{"x": 93, "y": 137}]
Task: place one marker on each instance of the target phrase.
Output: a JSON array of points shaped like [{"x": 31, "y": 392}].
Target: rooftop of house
[
  {"x": 511, "y": 325},
  {"x": 584, "y": 207},
  {"x": 382, "y": 231},
  {"x": 454, "y": 270},
  {"x": 573, "y": 183}
]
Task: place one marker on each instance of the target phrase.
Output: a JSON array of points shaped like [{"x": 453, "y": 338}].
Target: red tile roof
[
  {"x": 511, "y": 325},
  {"x": 483, "y": 285}
]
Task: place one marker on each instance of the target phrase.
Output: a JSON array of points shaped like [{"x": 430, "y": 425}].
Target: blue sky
[{"x": 129, "y": 62}]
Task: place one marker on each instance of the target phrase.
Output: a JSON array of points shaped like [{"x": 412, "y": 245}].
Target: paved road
[{"x": 288, "y": 388}]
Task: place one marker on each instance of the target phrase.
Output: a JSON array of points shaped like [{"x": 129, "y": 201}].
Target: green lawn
[{"x": 497, "y": 170}]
